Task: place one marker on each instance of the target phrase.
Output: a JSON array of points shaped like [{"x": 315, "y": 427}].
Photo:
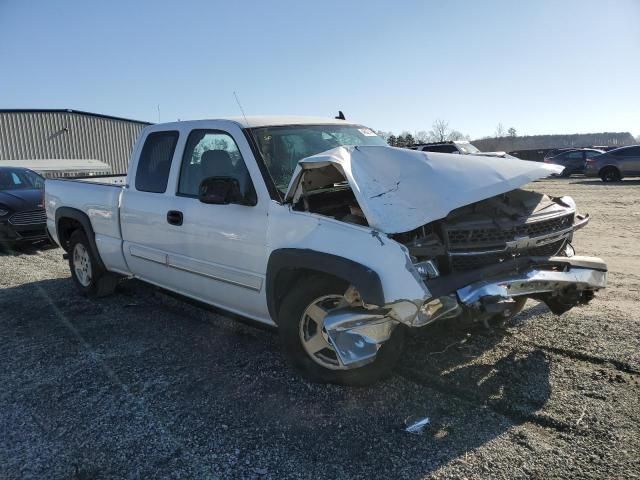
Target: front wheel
[
  {"x": 90, "y": 279},
  {"x": 610, "y": 174},
  {"x": 305, "y": 342}
]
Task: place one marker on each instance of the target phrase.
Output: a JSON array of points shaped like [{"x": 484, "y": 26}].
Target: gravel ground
[{"x": 143, "y": 385}]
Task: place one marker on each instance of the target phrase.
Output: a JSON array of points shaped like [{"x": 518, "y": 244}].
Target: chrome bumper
[
  {"x": 357, "y": 334},
  {"x": 538, "y": 280}
]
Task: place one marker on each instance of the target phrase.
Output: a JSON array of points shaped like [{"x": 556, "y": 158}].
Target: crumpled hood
[{"x": 400, "y": 190}]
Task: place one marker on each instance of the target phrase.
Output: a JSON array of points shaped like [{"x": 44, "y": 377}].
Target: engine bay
[{"x": 503, "y": 227}]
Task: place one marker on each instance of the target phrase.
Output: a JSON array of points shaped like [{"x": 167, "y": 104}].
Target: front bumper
[
  {"x": 22, "y": 233},
  {"x": 561, "y": 282},
  {"x": 538, "y": 280}
]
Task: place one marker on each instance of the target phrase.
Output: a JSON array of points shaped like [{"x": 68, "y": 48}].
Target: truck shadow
[
  {"x": 7, "y": 249},
  {"x": 186, "y": 384},
  {"x": 624, "y": 182}
]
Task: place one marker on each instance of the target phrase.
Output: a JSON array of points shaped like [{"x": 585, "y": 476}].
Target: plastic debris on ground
[{"x": 416, "y": 425}]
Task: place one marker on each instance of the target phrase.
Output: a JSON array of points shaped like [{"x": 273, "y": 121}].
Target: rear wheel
[
  {"x": 306, "y": 344},
  {"x": 610, "y": 174},
  {"x": 90, "y": 279}
]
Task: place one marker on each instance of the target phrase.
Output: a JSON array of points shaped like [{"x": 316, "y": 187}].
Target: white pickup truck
[{"x": 317, "y": 227}]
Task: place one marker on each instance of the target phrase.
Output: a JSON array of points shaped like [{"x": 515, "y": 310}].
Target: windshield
[
  {"x": 18, "y": 179},
  {"x": 283, "y": 147},
  {"x": 466, "y": 147}
]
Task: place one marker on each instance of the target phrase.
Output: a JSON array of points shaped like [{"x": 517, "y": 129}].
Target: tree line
[
  {"x": 505, "y": 139},
  {"x": 440, "y": 132}
]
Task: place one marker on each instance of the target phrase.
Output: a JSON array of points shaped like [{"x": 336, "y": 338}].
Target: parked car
[
  {"x": 573, "y": 160},
  {"x": 56, "y": 168},
  {"x": 552, "y": 152},
  {"x": 532, "y": 154},
  {"x": 319, "y": 228},
  {"x": 22, "y": 214},
  {"x": 614, "y": 165},
  {"x": 461, "y": 147},
  {"x": 457, "y": 146}
]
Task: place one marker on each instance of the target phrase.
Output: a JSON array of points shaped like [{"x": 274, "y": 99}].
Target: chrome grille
[
  {"x": 471, "y": 262},
  {"x": 494, "y": 236},
  {"x": 31, "y": 217}
]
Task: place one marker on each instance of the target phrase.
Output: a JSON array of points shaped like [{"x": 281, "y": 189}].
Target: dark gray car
[
  {"x": 573, "y": 160},
  {"x": 614, "y": 165},
  {"x": 22, "y": 214}
]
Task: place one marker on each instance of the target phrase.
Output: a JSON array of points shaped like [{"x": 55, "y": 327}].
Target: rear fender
[{"x": 83, "y": 219}]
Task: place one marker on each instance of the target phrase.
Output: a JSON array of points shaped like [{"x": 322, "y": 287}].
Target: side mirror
[{"x": 220, "y": 191}]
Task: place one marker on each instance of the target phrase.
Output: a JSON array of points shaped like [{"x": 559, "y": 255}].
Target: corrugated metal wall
[{"x": 70, "y": 135}]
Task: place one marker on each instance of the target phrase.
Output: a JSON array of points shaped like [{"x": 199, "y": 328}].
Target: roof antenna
[
  {"x": 241, "y": 109},
  {"x": 340, "y": 116},
  {"x": 158, "y": 113}
]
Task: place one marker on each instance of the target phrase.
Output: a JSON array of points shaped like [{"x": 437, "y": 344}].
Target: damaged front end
[
  {"x": 477, "y": 243},
  {"x": 486, "y": 256}
]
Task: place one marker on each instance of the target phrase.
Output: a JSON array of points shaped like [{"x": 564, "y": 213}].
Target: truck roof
[{"x": 272, "y": 121}]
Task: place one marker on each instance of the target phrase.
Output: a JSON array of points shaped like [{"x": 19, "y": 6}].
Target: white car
[{"x": 319, "y": 228}]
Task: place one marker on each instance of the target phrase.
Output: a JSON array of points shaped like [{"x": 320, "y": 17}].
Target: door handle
[{"x": 174, "y": 217}]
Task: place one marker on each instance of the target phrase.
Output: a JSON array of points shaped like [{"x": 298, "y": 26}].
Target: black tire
[
  {"x": 289, "y": 320},
  {"x": 610, "y": 174},
  {"x": 101, "y": 282}
]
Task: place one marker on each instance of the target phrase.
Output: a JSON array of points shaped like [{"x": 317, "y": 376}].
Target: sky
[{"x": 540, "y": 66}]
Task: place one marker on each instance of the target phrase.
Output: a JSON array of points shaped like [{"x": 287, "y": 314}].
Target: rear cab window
[
  {"x": 441, "y": 149},
  {"x": 154, "y": 163}
]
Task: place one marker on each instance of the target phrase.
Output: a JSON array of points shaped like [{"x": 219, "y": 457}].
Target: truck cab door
[
  {"x": 144, "y": 207},
  {"x": 213, "y": 253},
  {"x": 219, "y": 250}
]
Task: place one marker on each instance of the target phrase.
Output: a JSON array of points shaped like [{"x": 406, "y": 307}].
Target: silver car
[{"x": 614, "y": 165}]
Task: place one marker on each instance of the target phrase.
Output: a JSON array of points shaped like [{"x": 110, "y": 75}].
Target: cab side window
[
  {"x": 213, "y": 153},
  {"x": 155, "y": 162}
]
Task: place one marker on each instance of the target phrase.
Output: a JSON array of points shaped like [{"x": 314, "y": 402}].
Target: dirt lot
[{"x": 142, "y": 385}]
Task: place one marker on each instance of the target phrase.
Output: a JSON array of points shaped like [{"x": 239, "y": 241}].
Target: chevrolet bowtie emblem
[{"x": 522, "y": 243}]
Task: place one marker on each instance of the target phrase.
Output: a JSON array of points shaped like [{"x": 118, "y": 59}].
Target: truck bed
[
  {"x": 99, "y": 199},
  {"x": 99, "y": 179}
]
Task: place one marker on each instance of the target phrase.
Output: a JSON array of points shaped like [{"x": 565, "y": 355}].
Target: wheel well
[
  {"x": 66, "y": 227},
  {"x": 287, "y": 278},
  {"x": 287, "y": 266},
  {"x": 608, "y": 167}
]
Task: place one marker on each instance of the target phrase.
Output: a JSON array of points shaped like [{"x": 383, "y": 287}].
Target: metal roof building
[{"x": 67, "y": 134}]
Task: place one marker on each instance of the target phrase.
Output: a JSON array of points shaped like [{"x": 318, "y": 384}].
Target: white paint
[
  {"x": 400, "y": 190},
  {"x": 220, "y": 253}
]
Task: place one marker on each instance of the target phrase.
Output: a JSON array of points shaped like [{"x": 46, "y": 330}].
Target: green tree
[{"x": 409, "y": 140}]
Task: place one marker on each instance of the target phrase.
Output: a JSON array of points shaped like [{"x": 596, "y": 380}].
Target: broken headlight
[
  {"x": 427, "y": 269},
  {"x": 436, "y": 309}
]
